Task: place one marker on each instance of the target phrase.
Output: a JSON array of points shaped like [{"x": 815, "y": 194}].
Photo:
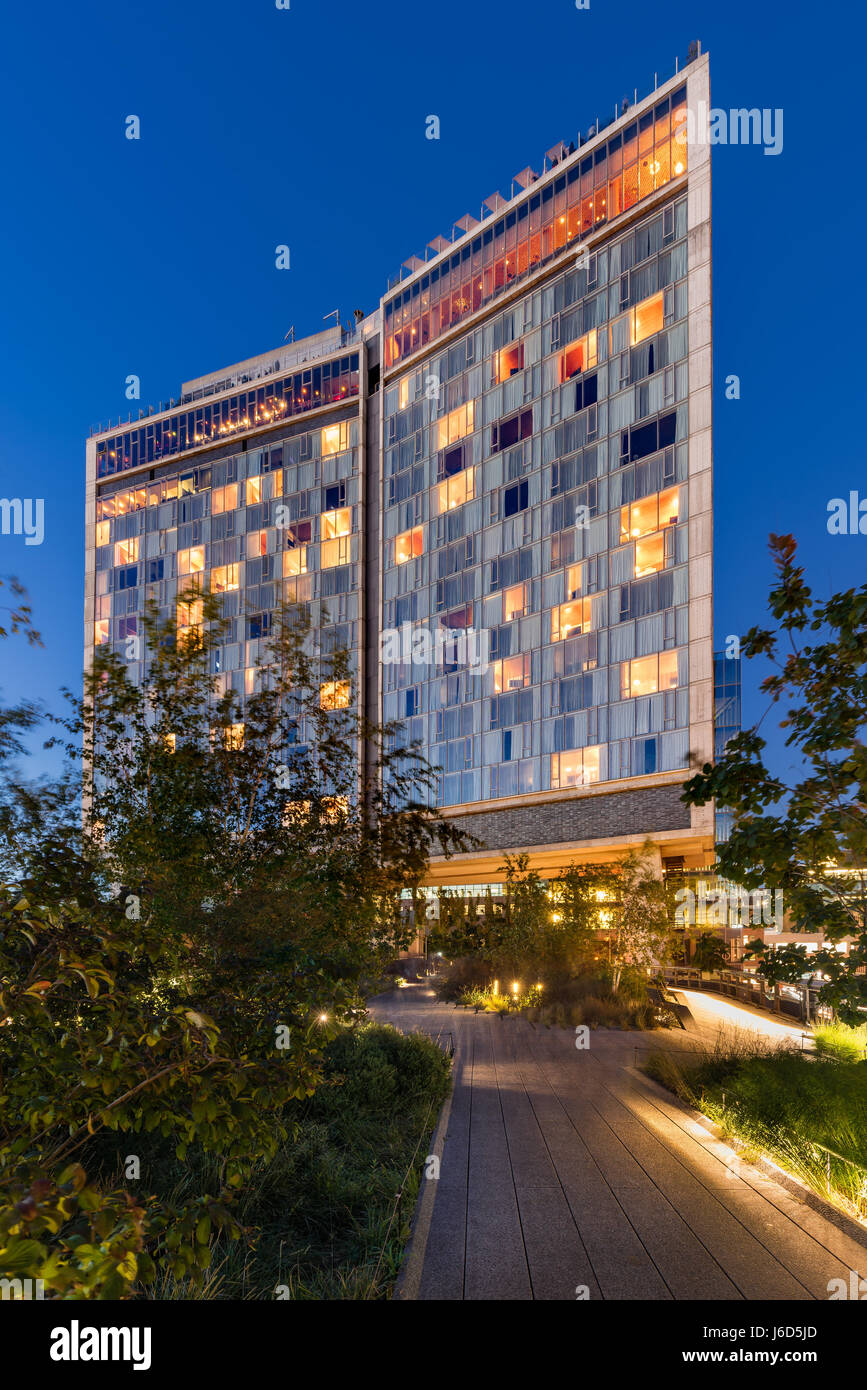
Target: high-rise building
[
  {"x": 727, "y": 721},
  {"x": 498, "y": 487}
]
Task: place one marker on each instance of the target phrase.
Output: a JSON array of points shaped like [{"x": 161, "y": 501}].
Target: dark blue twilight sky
[{"x": 307, "y": 126}]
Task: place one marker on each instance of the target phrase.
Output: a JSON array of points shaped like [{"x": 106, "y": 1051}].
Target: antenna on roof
[{"x": 290, "y": 335}]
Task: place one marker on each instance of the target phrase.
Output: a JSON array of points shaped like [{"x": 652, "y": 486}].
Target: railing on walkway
[{"x": 800, "y": 1002}]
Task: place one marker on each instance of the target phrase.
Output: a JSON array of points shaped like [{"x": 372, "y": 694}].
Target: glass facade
[
  {"x": 727, "y": 720},
  {"x": 276, "y": 522},
  {"x": 614, "y": 175},
  {"x": 536, "y": 489},
  {"x": 307, "y": 389}
]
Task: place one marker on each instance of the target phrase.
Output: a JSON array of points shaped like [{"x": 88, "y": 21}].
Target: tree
[
  {"x": 581, "y": 895},
  {"x": 175, "y": 964},
  {"x": 641, "y": 934},
  {"x": 807, "y": 836},
  {"x": 709, "y": 951}
]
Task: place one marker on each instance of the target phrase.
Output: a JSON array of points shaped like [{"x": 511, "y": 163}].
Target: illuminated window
[
  {"x": 403, "y": 392},
  {"x": 576, "y": 769},
  {"x": 338, "y": 523},
  {"x": 170, "y": 742},
  {"x": 295, "y": 561},
  {"x": 514, "y": 602},
  {"x": 190, "y": 614},
  {"x": 191, "y": 561},
  {"x": 455, "y": 491},
  {"x": 651, "y": 514},
  {"x": 647, "y": 318},
  {"x": 101, "y": 631},
  {"x": 257, "y": 543},
  {"x": 455, "y": 425},
  {"x": 513, "y": 673},
  {"x": 254, "y": 491},
  {"x": 232, "y": 737},
  {"x": 578, "y": 356},
  {"x": 647, "y": 675},
  {"x": 126, "y": 552},
  {"x": 224, "y": 499},
  {"x": 408, "y": 545},
  {"x": 103, "y": 532},
  {"x": 334, "y": 809},
  {"x": 573, "y": 581},
  {"x": 570, "y": 618},
  {"x": 509, "y": 360},
  {"x": 335, "y": 439},
  {"x": 334, "y": 695},
  {"x": 224, "y": 578},
  {"x": 649, "y": 555},
  {"x": 335, "y": 552}
]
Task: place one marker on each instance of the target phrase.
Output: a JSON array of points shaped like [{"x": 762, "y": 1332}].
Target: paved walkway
[{"x": 563, "y": 1168}]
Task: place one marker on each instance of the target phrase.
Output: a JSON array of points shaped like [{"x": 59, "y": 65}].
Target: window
[
  {"x": 224, "y": 499},
  {"x": 570, "y": 618},
  {"x": 649, "y": 555},
  {"x": 191, "y": 561},
  {"x": 508, "y": 361},
  {"x": 189, "y": 617},
  {"x": 637, "y": 324},
  {"x": 455, "y": 425},
  {"x": 126, "y": 552},
  {"x": 335, "y": 439},
  {"x": 336, "y": 552},
  {"x": 508, "y": 432},
  {"x": 455, "y": 491},
  {"x": 516, "y": 499},
  {"x": 403, "y": 392},
  {"x": 334, "y": 695},
  {"x": 408, "y": 545},
  {"x": 576, "y": 769},
  {"x": 514, "y": 602},
  {"x": 101, "y": 631},
  {"x": 573, "y": 581},
  {"x": 336, "y": 523},
  {"x": 295, "y": 561},
  {"x": 578, "y": 356},
  {"x": 651, "y": 514},
  {"x": 647, "y": 675},
  {"x": 257, "y": 543},
  {"x": 513, "y": 673},
  {"x": 231, "y": 737},
  {"x": 224, "y": 579},
  {"x": 103, "y": 532}
]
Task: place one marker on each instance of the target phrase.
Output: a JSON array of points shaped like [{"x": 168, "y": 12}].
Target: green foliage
[
  {"x": 807, "y": 837},
  {"x": 840, "y": 1042},
  {"x": 809, "y": 1116},
  {"x": 709, "y": 951},
  {"x": 259, "y": 878}
]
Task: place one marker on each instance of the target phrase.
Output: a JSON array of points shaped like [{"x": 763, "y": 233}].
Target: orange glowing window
[
  {"x": 189, "y": 614},
  {"x": 334, "y": 695},
  {"x": 295, "y": 561},
  {"x": 649, "y": 514},
  {"x": 336, "y": 552},
  {"x": 455, "y": 491},
  {"x": 578, "y": 356},
  {"x": 232, "y": 737},
  {"x": 337, "y": 523},
  {"x": 335, "y": 439},
  {"x": 170, "y": 742},
  {"x": 647, "y": 675},
  {"x": 514, "y": 602},
  {"x": 225, "y": 578},
  {"x": 408, "y": 545},
  {"x": 191, "y": 561},
  {"x": 569, "y": 619},
  {"x": 257, "y": 544},
  {"x": 455, "y": 425},
  {"x": 647, "y": 318},
  {"x": 103, "y": 532},
  {"x": 224, "y": 499},
  {"x": 403, "y": 392},
  {"x": 649, "y": 555},
  {"x": 573, "y": 581},
  {"x": 126, "y": 552},
  {"x": 579, "y": 768},
  {"x": 509, "y": 360},
  {"x": 101, "y": 631},
  {"x": 254, "y": 491},
  {"x": 512, "y": 673}
]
